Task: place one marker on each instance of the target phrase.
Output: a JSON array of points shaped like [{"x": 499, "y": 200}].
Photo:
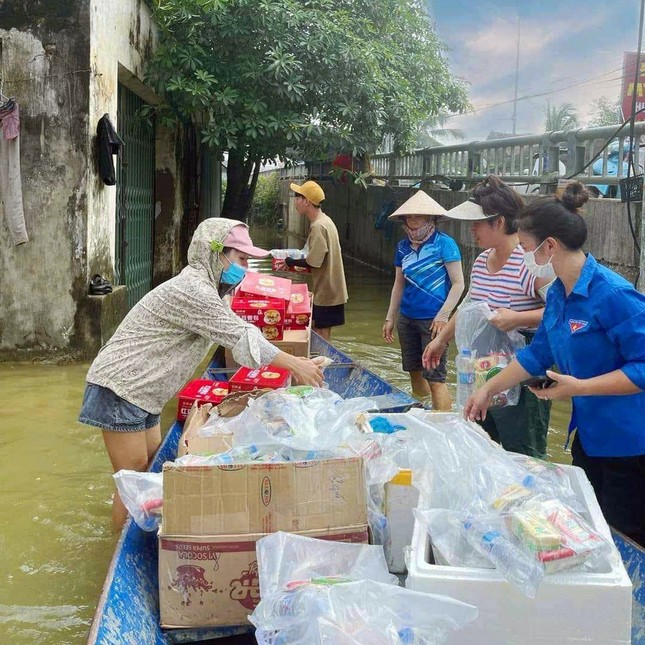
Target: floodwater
[{"x": 55, "y": 530}]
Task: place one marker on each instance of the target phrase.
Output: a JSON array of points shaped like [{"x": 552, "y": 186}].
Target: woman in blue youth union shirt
[
  {"x": 593, "y": 330},
  {"x": 427, "y": 286}
]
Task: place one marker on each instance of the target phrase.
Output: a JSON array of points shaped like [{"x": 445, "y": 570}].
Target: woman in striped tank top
[{"x": 500, "y": 278}]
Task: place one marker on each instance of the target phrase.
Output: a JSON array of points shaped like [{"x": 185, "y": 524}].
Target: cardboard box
[
  {"x": 191, "y": 443},
  {"x": 280, "y": 265},
  {"x": 213, "y": 580},
  {"x": 268, "y": 314},
  {"x": 296, "y": 342},
  {"x": 202, "y": 391},
  {"x": 571, "y": 607},
  {"x": 263, "y": 497},
  {"x": 251, "y": 378},
  {"x": 261, "y": 285},
  {"x": 213, "y": 516},
  {"x": 298, "y": 313}
]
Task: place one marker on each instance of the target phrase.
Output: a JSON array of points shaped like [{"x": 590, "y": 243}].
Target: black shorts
[
  {"x": 332, "y": 316},
  {"x": 414, "y": 335}
]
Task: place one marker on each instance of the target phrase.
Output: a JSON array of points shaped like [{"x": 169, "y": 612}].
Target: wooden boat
[{"x": 128, "y": 609}]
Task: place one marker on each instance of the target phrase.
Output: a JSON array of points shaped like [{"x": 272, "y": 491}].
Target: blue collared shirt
[
  {"x": 426, "y": 278},
  {"x": 598, "y": 328}
]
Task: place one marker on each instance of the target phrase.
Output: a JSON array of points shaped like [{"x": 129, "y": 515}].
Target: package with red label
[
  {"x": 203, "y": 391},
  {"x": 266, "y": 313},
  {"x": 249, "y": 378},
  {"x": 264, "y": 286},
  {"x": 298, "y": 311}
]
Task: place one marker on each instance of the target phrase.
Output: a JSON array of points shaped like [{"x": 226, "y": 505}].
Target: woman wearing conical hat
[{"x": 427, "y": 286}]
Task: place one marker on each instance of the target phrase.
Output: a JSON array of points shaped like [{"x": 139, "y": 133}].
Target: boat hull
[{"x": 128, "y": 609}]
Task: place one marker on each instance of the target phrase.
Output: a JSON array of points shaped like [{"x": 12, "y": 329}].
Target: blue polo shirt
[
  {"x": 598, "y": 328},
  {"x": 426, "y": 279}
]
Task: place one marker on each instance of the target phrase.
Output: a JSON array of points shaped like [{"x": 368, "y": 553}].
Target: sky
[{"x": 570, "y": 49}]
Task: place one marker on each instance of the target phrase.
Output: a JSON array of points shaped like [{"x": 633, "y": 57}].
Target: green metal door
[{"x": 135, "y": 198}]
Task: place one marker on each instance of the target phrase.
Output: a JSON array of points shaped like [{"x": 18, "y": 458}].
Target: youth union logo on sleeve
[{"x": 577, "y": 325}]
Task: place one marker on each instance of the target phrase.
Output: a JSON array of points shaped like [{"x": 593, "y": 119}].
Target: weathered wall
[
  {"x": 63, "y": 61},
  {"x": 45, "y": 65},
  {"x": 354, "y": 210}
]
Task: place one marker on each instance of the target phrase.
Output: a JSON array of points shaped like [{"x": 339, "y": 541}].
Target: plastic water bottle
[
  {"x": 517, "y": 566},
  {"x": 465, "y": 376},
  {"x": 300, "y": 602}
]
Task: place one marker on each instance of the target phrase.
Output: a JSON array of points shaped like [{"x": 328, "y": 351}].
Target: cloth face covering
[{"x": 419, "y": 235}]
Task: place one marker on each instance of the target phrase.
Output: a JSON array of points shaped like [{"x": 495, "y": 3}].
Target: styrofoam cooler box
[
  {"x": 570, "y": 606},
  {"x": 400, "y": 499}
]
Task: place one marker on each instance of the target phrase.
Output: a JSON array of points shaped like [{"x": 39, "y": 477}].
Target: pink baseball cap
[{"x": 240, "y": 240}]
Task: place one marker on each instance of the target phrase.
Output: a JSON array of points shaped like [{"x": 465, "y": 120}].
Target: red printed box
[
  {"x": 268, "y": 314},
  {"x": 298, "y": 311},
  {"x": 203, "y": 391},
  {"x": 249, "y": 378},
  {"x": 280, "y": 265},
  {"x": 261, "y": 285}
]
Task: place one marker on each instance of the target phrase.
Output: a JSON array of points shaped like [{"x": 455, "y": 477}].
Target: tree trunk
[{"x": 239, "y": 192}]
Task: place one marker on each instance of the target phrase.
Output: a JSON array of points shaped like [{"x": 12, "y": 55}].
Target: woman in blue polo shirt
[
  {"x": 427, "y": 286},
  {"x": 593, "y": 330}
]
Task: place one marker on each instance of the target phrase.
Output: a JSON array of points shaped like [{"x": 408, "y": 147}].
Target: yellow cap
[
  {"x": 403, "y": 478},
  {"x": 309, "y": 190}
]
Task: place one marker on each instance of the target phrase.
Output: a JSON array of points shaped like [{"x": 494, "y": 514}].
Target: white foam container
[{"x": 571, "y": 607}]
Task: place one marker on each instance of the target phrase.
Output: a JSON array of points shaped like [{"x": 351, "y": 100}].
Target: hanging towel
[
  {"x": 109, "y": 144},
  {"x": 10, "y": 179}
]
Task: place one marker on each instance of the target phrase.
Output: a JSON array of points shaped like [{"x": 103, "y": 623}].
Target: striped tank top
[{"x": 512, "y": 287}]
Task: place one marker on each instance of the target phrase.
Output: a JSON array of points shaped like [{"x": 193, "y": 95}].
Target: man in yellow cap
[{"x": 325, "y": 259}]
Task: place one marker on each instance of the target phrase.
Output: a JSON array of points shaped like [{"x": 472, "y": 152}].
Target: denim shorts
[
  {"x": 103, "y": 409},
  {"x": 414, "y": 335}
]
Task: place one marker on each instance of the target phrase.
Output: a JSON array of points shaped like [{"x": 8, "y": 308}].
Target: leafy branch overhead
[{"x": 270, "y": 77}]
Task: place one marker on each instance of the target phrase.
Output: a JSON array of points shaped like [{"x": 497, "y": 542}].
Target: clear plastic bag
[
  {"x": 319, "y": 592},
  {"x": 309, "y": 418},
  {"x": 142, "y": 495},
  {"x": 492, "y": 348}
]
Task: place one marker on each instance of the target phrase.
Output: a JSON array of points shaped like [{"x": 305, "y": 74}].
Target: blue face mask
[{"x": 233, "y": 274}]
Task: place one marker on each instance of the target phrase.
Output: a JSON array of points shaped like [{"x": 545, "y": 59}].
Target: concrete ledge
[{"x": 99, "y": 316}]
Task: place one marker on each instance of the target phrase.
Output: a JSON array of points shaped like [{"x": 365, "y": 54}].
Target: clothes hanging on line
[
  {"x": 109, "y": 144},
  {"x": 10, "y": 176}
]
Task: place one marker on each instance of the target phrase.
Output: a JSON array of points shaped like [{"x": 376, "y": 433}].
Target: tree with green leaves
[
  {"x": 267, "y": 79},
  {"x": 560, "y": 117},
  {"x": 604, "y": 111}
]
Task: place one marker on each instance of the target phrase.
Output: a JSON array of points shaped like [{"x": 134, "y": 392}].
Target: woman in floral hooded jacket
[{"x": 163, "y": 339}]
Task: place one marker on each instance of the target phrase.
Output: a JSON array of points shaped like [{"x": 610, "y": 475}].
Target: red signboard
[{"x": 627, "y": 96}]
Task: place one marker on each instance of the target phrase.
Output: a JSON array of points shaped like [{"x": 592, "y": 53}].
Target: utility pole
[{"x": 517, "y": 72}]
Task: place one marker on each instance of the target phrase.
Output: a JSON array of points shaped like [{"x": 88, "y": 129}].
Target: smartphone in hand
[{"x": 538, "y": 382}]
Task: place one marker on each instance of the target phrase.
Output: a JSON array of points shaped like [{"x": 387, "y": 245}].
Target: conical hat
[
  {"x": 419, "y": 204},
  {"x": 467, "y": 211}
]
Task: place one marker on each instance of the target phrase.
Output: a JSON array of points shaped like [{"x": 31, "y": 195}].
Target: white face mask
[{"x": 538, "y": 270}]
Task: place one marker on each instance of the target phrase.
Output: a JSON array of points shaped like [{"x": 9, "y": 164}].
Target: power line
[{"x": 545, "y": 93}]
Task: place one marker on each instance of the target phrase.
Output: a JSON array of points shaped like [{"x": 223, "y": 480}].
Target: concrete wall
[
  {"x": 354, "y": 210},
  {"x": 45, "y": 65},
  {"x": 62, "y": 61}
]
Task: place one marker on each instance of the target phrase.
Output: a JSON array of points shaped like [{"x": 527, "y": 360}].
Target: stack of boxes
[
  {"x": 213, "y": 516},
  {"x": 279, "y": 307}
]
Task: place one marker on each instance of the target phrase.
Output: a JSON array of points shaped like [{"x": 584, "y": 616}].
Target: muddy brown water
[{"x": 55, "y": 532}]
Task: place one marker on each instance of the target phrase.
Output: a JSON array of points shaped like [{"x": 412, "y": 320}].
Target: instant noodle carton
[
  {"x": 251, "y": 378},
  {"x": 214, "y": 515},
  {"x": 261, "y": 285},
  {"x": 298, "y": 313},
  {"x": 202, "y": 391},
  {"x": 268, "y": 314}
]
